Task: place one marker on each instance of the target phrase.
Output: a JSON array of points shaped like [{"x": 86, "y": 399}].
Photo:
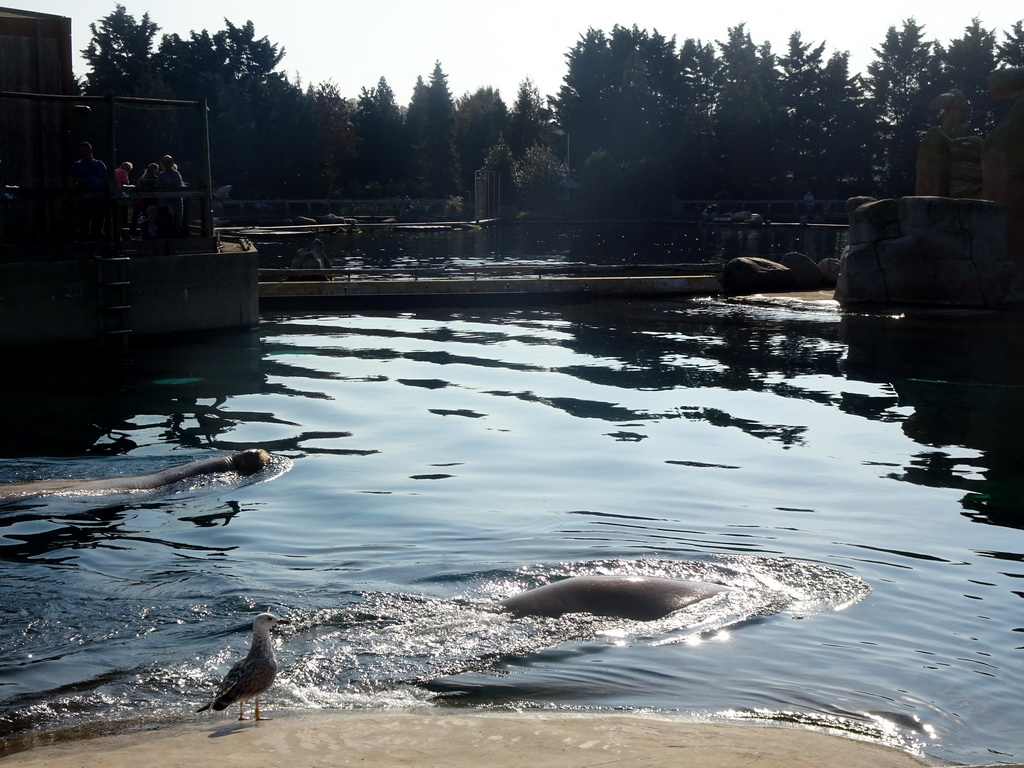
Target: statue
[{"x": 949, "y": 159}]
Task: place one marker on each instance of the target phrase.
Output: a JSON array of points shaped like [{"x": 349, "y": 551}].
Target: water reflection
[
  {"x": 108, "y": 526},
  {"x": 952, "y": 379},
  {"x": 961, "y": 375},
  {"x": 78, "y": 402}
]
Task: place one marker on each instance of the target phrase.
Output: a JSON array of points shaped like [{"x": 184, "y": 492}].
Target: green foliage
[
  {"x": 902, "y": 81},
  {"x": 538, "y": 176},
  {"x": 967, "y": 62},
  {"x": 621, "y": 93},
  {"x": 601, "y": 189},
  {"x": 745, "y": 121},
  {"x": 650, "y": 118},
  {"x": 382, "y": 155},
  {"x": 529, "y": 122},
  {"x": 1011, "y": 50},
  {"x": 335, "y": 135},
  {"x": 480, "y": 119},
  {"x": 500, "y": 160},
  {"x": 431, "y": 127},
  {"x": 119, "y": 55}
]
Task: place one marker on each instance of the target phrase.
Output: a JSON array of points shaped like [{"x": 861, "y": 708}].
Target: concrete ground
[{"x": 463, "y": 741}]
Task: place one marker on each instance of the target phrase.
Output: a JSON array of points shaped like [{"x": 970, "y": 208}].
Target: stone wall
[
  {"x": 55, "y": 302},
  {"x": 929, "y": 251},
  {"x": 1002, "y": 158}
]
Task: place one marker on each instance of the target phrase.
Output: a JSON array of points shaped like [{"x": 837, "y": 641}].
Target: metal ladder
[{"x": 113, "y": 302}]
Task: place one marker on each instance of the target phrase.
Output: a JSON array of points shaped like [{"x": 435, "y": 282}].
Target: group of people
[
  {"x": 157, "y": 217},
  {"x": 150, "y": 217}
]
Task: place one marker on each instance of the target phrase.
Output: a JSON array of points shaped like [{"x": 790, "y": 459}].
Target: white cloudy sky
[{"x": 356, "y": 42}]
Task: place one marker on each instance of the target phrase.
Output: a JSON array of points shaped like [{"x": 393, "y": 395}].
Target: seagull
[{"x": 252, "y": 675}]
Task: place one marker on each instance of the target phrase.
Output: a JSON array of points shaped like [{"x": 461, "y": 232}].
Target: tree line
[{"x": 639, "y": 118}]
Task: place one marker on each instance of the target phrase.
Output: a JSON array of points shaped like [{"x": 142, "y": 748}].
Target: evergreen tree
[
  {"x": 480, "y": 119},
  {"x": 528, "y": 121},
  {"x": 822, "y": 129},
  {"x": 743, "y": 120},
  {"x": 431, "y": 123},
  {"x": 622, "y": 93},
  {"x": 246, "y": 59},
  {"x": 581, "y": 107},
  {"x": 383, "y": 156},
  {"x": 696, "y": 157},
  {"x": 968, "y": 61},
  {"x": 846, "y": 138},
  {"x": 1010, "y": 51},
  {"x": 336, "y": 137},
  {"x": 285, "y": 152},
  {"x": 902, "y": 81},
  {"x": 645, "y": 106},
  {"x": 800, "y": 118},
  {"x": 192, "y": 68},
  {"x": 120, "y": 55}
]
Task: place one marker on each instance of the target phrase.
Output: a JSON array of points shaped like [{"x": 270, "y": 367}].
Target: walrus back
[{"x": 641, "y": 598}]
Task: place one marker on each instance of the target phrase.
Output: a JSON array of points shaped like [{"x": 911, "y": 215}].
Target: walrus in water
[
  {"x": 643, "y": 598},
  {"x": 244, "y": 463}
]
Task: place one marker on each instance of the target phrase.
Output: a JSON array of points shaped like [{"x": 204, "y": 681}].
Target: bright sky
[{"x": 356, "y": 42}]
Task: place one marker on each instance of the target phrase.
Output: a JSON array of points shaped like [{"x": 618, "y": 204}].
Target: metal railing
[{"x": 828, "y": 211}]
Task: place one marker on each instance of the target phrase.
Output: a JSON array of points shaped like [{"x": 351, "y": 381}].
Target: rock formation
[
  {"x": 960, "y": 240},
  {"x": 1002, "y": 159},
  {"x": 927, "y": 250}
]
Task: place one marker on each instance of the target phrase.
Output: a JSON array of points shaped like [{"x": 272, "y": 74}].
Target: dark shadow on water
[
  {"x": 963, "y": 376},
  {"x": 80, "y": 402}
]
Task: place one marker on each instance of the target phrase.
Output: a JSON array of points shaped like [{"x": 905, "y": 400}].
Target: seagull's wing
[{"x": 230, "y": 689}]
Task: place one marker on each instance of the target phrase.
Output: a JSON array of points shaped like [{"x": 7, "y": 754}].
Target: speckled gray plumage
[{"x": 252, "y": 675}]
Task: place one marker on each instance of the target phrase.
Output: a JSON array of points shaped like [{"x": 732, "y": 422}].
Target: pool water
[{"x": 856, "y": 479}]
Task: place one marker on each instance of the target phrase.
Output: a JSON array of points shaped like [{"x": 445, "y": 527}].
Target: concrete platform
[
  {"x": 464, "y": 741},
  {"x": 485, "y": 290}
]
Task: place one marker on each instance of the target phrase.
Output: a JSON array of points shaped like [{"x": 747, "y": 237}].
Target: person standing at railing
[
  {"x": 171, "y": 208},
  {"x": 88, "y": 173},
  {"x": 122, "y": 177},
  {"x": 122, "y": 174},
  {"x": 143, "y": 185}
]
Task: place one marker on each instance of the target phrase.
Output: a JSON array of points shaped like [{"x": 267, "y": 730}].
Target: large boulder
[
  {"x": 753, "y": 274},
  {"x": 937, "y": 251},
  {"x": 791, "y": 271},
  {"x": 829, "y": 270},
  {"x": 804, "y": 271}
]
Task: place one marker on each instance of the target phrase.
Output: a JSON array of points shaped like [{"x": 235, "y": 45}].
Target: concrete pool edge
[{"x": 461, "y": 740}]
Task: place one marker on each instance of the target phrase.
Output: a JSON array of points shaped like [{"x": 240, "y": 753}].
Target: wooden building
[{"x": 35, "y": 135}]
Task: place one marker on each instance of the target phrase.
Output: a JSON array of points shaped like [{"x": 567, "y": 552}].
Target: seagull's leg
[
  {"x": 241, "y": 712},
  {"x": 258, "y": 710}
]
